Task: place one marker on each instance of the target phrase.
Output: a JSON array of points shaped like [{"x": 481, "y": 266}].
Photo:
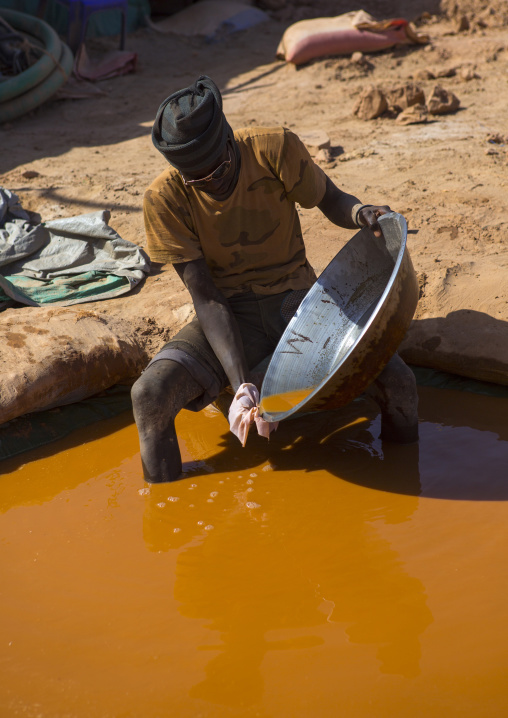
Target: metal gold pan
[{"x": 347, "y": 327}]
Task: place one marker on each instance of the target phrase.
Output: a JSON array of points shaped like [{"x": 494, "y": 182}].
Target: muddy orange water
[{"x": 323, "y": 574}]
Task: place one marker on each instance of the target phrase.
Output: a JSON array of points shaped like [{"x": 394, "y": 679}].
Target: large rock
[
  {"x": 404, "y": 96},
  {"x": 414, "y": 115},
  {"x": 315, "y": 139},
  {"x": 371, "y": 103},
  {"x": 460, "y": 329},
  {"x": 442, "y": 102},
  {"x": 51, "y": 357}
]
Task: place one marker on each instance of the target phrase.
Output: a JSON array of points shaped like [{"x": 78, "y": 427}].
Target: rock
[
  {"x": 446, "y": 72},
  {"x": 31, "y": 174},
  {"x": 315, "y": 139},
  {"x": 463, "y": 24},
  {"x": 324, "y": 156},
  {"x": 491, "y": 151},
  {"x": 496, "y": 138},
  {"x": 358, "y": 154},
  {"x": 422, "y": 75},
  {"x": 184, "y": 313},
  {"x": 442, "y": 102},
  {"x": 461, "y": 334},
  {"x": 404, "y": 96},
  {"x": 371, "y": 103},
  {"x": 467, "y": 74},
  {"x": 358, "y": 58},
  {"x": 55, "y": 356},
  {"x": 414, "y": 115}
]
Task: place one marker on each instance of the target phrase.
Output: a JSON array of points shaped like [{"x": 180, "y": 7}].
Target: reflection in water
[
  {"x": 280, "y": 580},
  {"x": 280, "y": 575}
]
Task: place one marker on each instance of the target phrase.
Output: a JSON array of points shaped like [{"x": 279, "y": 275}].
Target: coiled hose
[{"x": 29, "y": 89}]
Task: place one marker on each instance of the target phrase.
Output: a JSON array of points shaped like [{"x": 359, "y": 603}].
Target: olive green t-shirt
[{"x": 252, "y": 240}]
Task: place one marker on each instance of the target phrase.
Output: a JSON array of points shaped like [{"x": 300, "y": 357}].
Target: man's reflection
[{"x": 275, "y": 577}]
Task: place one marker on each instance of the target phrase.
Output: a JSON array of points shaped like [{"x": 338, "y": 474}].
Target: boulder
[
  {"x": 55, "y": 356},
  {"x": 460, "y": 324},
  {"x": 462, "y": 24},
  {"x": 315, "y": 139},
  {"x": 414, "y": 115},
  {"x": 425, "y": 74},
  {"x": 468, "y": 73},
  {"x": 442, "y": 102},
  {"x": 371, "y": 103},
  {"x": 404, "y": 96}
]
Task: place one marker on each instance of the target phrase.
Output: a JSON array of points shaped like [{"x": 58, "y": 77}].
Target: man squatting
[{"x": 224, "y": 214}]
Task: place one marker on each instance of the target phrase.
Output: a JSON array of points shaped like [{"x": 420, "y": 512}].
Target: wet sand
[{"x": 321, "y": 574}]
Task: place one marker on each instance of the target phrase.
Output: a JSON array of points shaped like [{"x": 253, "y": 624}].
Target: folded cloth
[{"x": 244, "y": 411}]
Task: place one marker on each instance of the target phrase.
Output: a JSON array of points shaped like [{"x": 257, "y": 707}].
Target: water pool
[{"x": 321, "y": 574}]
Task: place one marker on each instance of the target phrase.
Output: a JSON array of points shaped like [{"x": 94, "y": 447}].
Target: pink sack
[{"x": 343, "y": 35}]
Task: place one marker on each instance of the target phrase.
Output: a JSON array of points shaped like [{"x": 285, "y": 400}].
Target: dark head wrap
[{"x": 190, "y": 129}]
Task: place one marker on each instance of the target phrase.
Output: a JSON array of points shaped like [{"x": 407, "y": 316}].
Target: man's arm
[
  {"x": 216, "y": 319},
  {"x": 346, "y": 210}
]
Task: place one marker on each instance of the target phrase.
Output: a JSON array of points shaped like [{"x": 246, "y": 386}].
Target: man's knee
[
  {"x": 146, "y": 392},
  {"x": 163, "y": 389},
  {"x": 397, "y": 383},
  {"x": 396, "y": 394}
]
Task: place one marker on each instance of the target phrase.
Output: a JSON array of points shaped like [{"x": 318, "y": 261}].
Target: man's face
[{"x": 203, "y": 180}]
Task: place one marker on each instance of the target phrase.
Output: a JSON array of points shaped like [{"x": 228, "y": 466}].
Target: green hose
[
  {"x": 31, "y": 88},
  {"x": 46, "y": 64}
]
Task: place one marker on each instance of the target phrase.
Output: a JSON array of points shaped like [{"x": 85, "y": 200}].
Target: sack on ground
[{"x": 56, "y": 356}]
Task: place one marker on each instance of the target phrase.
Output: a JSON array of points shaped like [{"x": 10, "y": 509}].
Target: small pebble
[
  {"x": 143, "y": 492},
  {"x": 250, "y": 488},
  {"x": 161, "y": 504},
  {"x": 252, "y": 505},
  {"x": 249, "y": 481},
  {"x": 175, "y": 531},
  {"x": 173, "y": 498},
  {"x": 213, "y": 494},
  {"x": 252, "y": 474},
  {"x": 200, "y": 523},
  {"x": 209, "y": 501},
  {"x": 209, "y": 527}
]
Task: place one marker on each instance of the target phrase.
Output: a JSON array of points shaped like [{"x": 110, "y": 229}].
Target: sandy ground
[{"x": 445, "y": 176}]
